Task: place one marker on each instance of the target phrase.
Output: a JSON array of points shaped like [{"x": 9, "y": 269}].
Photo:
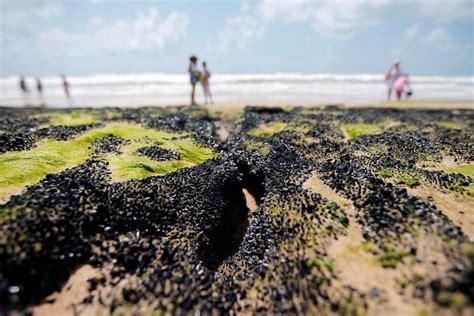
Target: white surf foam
[{"x": 162, "y": 89}]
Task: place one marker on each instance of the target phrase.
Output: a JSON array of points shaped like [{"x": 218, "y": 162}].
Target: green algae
[
  {"x": 452, "y": 125},
  {"x": 467, "y": 170},
  {"x": 71, "y": 118},
  {"x": 263, "y": 148},
  {"x": 385, "y": 172},
  {"x": 320, "y": 264},
  {"x": 21, "y": 168},
  {"x": 410, "y": 178},
  {"x": 268, "y": 129},
  {"x": 455, "y": 300},
  {"x": 354, "y": 130},
  {"x": 392, "y": 257},
  {"x": 128, "y": 165}
]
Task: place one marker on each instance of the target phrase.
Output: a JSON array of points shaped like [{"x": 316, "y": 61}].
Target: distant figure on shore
[
  {"x": 25, "y": 91},
  {"x": 205, "y": 75},
  {"x": 391, "y": 75},
  {"x": 39, "y": 89},
  {"x": 39, "y": 86},
  {"x": 194, "y": 75},
  {"x": 23, "y": 86},
  {"x": 402, "y": 84},
  {"x": 66, "y": 87}
]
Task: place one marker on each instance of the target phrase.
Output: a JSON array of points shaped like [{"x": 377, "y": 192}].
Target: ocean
[{"x": 170, "y": 89}]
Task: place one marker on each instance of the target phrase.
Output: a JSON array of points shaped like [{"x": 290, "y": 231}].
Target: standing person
[
  {"x": 66, "y": 87},
  {"x": 194, "y": 77},
  {"x": 25, "y": 91},
  {"x": 23, "y": 86},
  {"x": 39, "y": 88},
  {"x": 205, "y": 75},
  {"x": 391, "y": 75}
]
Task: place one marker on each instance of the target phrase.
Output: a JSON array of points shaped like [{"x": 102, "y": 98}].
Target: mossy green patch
[
  {"x": 385, "y": 172},
  {"x": 454, "y": 300},
  {"x": 268, "y": 129},
  {"x": 391, "y": 257},
  {"x": 410, "y": 178},
  {"x": 411, "y": 182},
  {"x": 467, "y": 170},
  {"x": 452, "y": 125},
  {"x": 71, "y": 118},
  {"x": 130, "y": 166},
  {"x": 263, "y": 148},
  {"x": 21, "y": 168},
  {"x": 354, "y": 130},
  {"x": 320, "y": 264}
]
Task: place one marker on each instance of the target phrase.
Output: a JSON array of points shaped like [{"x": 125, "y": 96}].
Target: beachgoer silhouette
[
  {"x": 194, "y": 75},
  {"x": 391, "y": 75},
  {"x": 25, "y": 91},
  {"x": 39, "y": 88},
  {"x": 205, "y": 75},
  {"x": 23, "y": 86},
  {"x": 66, "y": 86}
]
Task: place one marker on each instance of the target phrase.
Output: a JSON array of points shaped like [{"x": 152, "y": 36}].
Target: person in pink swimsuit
[
  {"x": 391, "y": 75},
  {"x": 205, "y": 75},
  {"x": 400, "y": 84}
]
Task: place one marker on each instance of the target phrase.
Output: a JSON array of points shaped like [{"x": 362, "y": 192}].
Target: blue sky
[{"x": 430, "y": 37}]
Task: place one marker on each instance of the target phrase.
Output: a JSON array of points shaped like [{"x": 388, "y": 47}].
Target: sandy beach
[
  {"x": 264, "y": 157},
  {"x": 128, "y": 210}
]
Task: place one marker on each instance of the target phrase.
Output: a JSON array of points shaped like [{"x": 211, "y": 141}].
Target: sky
[{"x": 79, "y": 37}]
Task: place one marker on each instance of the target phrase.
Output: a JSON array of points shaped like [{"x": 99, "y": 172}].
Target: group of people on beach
[
  {"x": 196, "y": 76},
  {"x": 39, "y": 88},
  {"x": 397, "y": 81}
]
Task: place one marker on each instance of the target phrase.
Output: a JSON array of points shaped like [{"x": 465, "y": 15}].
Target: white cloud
[
  {"x": 16, "y": 13},
  {"x": 288, "y": 11},
  {"x": 49, "y": 10},
  {"x": 19, "y": 21},
  {"x": 412, "y": 32},
  {"x": 439, "y": 36},
  {"x": 448, "y": 10},
  {"x": 238, "y": 32},
  {"x": 340, "y": 19},
  {"x": 345, "y": 18},
  {"x": 146, "y": 31},
  {"x": 96, "y": 21}
]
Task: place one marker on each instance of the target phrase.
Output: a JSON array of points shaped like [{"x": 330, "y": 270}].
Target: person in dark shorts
[{"x": 194, "y": 75}]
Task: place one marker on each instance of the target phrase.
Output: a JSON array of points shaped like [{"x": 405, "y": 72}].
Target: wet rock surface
[
  {"x": 108, "y": 144},
  {"x": 157, "y": 153},
  {"x": 187, "y": 242}
]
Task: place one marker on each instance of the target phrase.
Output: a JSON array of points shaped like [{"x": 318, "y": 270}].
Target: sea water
[{"x": 169, "y": 89}]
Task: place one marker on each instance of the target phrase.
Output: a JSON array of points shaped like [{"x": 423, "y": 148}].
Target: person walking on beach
[
  {"x": 66, "y": 87},
  {"x": 25, "y": 91},
  {"x": 39, "y": 88},
  {"x": 391, "y": 75},
  {"x": 23, "y": 86},
  {"x": 205, "y": 75},
  {"x": 194, "y": 75}
]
